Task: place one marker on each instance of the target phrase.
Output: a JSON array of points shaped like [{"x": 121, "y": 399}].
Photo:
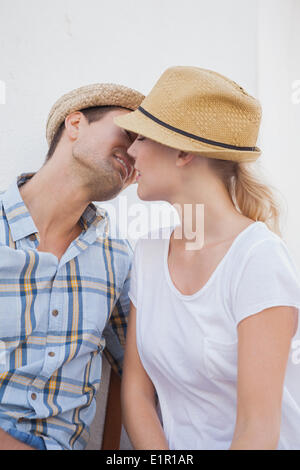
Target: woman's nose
[{"x": 131, "y": 151}]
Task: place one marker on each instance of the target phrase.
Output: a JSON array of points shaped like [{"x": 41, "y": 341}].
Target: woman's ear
[{"x": 183, "y": 158}]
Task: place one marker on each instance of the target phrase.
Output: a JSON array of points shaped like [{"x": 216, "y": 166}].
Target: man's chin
[
  {"x": 104, "y": 192},
  {"x": 111, "y": 186},
  {"x": 110, "y": 195}
]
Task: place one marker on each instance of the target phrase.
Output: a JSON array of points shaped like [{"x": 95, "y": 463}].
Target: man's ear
[
  {"x": 183, "y": 158},
  {"x": 72, "y": 123}
]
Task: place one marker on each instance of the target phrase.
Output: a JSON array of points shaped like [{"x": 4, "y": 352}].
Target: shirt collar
[{"x": 18, "y": 216}]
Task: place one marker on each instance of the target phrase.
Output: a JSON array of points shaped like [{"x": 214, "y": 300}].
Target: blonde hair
[{"x": 250, "y": 195}]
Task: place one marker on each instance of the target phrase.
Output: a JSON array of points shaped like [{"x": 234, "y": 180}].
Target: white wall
[{"x": 278, "y": 71}]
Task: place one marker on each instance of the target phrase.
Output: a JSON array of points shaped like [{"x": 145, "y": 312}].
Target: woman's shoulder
[
  {"x": 263, "y": 249},
  {"x": 263, "y": 274},
  {"x": 258, "y": 237}
]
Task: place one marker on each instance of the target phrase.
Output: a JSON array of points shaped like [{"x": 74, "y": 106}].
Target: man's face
[{"x": 100, "y": 154}]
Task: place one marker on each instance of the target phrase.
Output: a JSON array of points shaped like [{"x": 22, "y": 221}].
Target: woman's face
[{"x": 157, "y": 171}]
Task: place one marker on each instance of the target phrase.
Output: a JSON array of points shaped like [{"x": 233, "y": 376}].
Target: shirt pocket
[{"x": 220, "y": 359}]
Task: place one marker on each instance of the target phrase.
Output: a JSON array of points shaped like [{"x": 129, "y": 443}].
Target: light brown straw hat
[
  {"x": 199, "y": 111},
  {"x": 98, "y": 94}
]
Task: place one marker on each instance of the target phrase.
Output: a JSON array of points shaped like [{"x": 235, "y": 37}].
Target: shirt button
[
  {"x": 51, "y": 354},
  {"x": 55, "y": 313},
  {"x": 32, "y": 237},
  {"x": 33, "y": 396}
]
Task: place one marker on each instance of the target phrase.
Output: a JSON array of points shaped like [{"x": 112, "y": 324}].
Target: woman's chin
[
  {"x": 143, "y": 196},
  {"x": 149, "y": 195}
]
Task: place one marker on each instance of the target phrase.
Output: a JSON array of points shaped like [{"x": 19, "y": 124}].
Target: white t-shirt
[{"x": 188, "y": 343}]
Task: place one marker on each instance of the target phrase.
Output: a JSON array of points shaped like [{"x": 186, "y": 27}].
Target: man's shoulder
[
  {"x": 118, "y": 241},
  {"x": 122, "y": 245}
]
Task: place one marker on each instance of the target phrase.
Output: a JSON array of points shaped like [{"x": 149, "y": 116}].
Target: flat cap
[{"x": 98, "y": 94}]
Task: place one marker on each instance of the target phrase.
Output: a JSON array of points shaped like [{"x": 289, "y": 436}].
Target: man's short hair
[{"x": 92, "y": 114}]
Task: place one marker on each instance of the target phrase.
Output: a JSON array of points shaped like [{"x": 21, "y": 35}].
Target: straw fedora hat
[
  {"x": 199, "y": 111},
  {"x": 98, "y": 94}
]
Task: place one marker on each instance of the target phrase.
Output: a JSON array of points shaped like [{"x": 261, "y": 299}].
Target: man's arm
[{"x": 7, "y": 442}]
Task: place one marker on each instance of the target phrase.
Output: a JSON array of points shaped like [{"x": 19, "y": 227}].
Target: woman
[{"x": 211, "y": 328}]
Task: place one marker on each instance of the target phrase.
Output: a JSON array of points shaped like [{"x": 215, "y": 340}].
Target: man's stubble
[{"x": 98, "y": 175}]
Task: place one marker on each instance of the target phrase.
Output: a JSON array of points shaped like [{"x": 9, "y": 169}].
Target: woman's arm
[
  {"x": 264, "y": 341},
  {"x": 138, "y": 397}
]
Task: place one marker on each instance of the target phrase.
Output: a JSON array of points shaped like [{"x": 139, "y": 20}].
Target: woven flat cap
[{"x": 98, "y": 94}]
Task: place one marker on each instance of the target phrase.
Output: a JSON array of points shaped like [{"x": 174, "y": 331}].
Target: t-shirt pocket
[{"x": 220, "y": 359}]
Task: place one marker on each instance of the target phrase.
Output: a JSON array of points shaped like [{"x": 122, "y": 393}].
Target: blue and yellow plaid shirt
[{"x": 56, "y": 317}]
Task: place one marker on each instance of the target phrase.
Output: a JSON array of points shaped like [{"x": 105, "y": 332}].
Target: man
[{"x": 63, "y": 278}]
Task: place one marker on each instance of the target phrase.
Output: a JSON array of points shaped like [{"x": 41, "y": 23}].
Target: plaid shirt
[{"x": 56, "y": 316}]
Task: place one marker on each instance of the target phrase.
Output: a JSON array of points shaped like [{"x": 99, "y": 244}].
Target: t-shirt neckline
[{"x": 215, "y": 272}]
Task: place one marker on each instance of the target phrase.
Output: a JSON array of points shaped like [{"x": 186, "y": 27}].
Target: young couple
[{"x": 208, "y": 361}]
